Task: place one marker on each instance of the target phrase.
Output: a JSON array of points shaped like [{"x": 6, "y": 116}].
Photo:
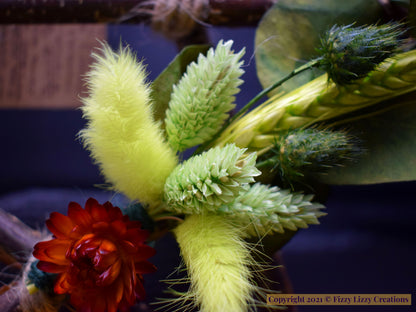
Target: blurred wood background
[{"x": 41, "y": 65}]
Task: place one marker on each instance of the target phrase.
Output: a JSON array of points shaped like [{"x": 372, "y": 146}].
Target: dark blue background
[{"x": 366, "y": 244}]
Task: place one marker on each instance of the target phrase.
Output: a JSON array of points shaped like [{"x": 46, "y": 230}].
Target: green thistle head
[
  {"x": 301, "y": 153},
  {"x": 262, "y": 210},
  {"x": 349, "y": 53},
  {"x": 206, "y": 181},
  {"x": 200, "y": 102}
]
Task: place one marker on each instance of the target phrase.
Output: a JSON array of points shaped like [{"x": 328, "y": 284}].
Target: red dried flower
[{"x": 100, "y": 256}]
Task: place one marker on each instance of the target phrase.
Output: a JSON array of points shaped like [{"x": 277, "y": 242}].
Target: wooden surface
[
  {"x": 216, "y": 12},
  {"x": 42, "y": 65}
]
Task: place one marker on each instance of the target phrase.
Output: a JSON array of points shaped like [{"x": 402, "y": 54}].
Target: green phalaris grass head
[
  {"x": 206, "y": 181},
  {"x": 202, "y": 99}
]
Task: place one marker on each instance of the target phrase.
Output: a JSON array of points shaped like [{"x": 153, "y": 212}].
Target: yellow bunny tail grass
[
  {"x": 218, "y": 262},
  {"x": 122, "y": 135}
]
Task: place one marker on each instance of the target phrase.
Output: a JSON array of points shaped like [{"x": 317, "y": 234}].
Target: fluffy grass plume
[
  {"x": 217, "y": 260},
  {"x": 203, "y": 97},
  {"x": 206, "y": 181},
  {"x": 121, "y": 134},
  {"x": 262, "y": 210}
]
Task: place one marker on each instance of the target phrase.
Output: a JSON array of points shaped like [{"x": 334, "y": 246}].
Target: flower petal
[
  {"x": 144, "y": 267},
  {"x": 133, "y": 224},
  {"x": 128, "y": 285},
  {"x": 79, "y": 215},
  {"x": 84, "y": 306},
  {"x": 100, "y": 255},
  {"x": 100, "y": 305},
  {"x": 106, "y": 247},
  {"x": 111, "y": 304},
  {"x": 51, "y": 267},
  {"x": 91, "y": 202},
  {"x": 60, "y": 225},
  {"x": 115, "y": 213},
  {"x": 139, "y": 290},
  {"x": 99, "y": 213},
  {"x": 53, "y": 251},
  {"x": 78, "y": 231},
  {"x": 119, "y": 227},
  {"x": 144, "y": 252},
  {"x": 118, "y": 292},
  {"x": 128, "y": 247},
  {"x": 100, "y": 227},
  {"x": 61, "y": 285},
  {"x": 109, "y": 276},
  {"x": 137, "y": 235},
  {"x": 102, "y": 262}
]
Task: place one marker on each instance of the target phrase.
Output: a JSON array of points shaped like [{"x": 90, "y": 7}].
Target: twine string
[{"x": 175, "y": 19}]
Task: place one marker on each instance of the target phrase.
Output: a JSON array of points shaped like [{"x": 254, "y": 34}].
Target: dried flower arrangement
[{"x": 246, "y": 179}]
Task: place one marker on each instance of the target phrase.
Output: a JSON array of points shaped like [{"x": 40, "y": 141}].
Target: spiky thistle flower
[
  {"x": 302, "y": 152},
  {"x": 262, "y": 210},
  {"x": 201, "y": 100},
  {"x": 349, "y": 53},
  {"x": 320, "y": 100},
  {"x": 206, "y": 181},
  {"x": 218, "y": 261},
  {"x": 121, "y": 134}
]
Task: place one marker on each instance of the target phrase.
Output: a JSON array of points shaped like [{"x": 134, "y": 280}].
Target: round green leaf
[{"x": 390, "y": 142}]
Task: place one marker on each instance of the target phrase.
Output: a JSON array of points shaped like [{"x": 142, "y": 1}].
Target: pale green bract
[
  {"x": 209, "y": 180},
  {"x": 200, "y": 102},
  {"x": 262, "y": 210}
]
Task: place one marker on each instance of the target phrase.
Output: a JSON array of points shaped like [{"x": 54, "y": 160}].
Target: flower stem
[{"x": 296, "y": 71}]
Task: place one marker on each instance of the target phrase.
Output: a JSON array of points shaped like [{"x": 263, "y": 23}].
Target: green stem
[
  {"x": 295, "y": 72},
  {"x": 264, "y": 92},
  {"x": 265, "y": 163}
]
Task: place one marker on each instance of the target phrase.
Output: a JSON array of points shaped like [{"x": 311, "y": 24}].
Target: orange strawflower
[{"x": 100, "y": 256}]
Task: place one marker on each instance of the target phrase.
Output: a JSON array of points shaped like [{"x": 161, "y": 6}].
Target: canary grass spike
[
  {"x": 206, "y": 181},
  {"x": 200, "y": 102},
  {"x": 217, "y": 260},
  {"x": 302, "y": 152},
  {"x": 348, "y": 53},
  {"x": 320, "y": 100},
  {"x": 121, "y": 134},
  {"x": 262, "y": 210}
]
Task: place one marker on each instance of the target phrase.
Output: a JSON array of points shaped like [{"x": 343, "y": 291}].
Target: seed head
[{"x": 349, "y": 53}]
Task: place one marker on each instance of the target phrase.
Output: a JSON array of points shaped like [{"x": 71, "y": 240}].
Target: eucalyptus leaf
[
  {"x": 289, "y": 33},
  {"x": 162, "y": 86},
  {"x": 390, "y": 142}
]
